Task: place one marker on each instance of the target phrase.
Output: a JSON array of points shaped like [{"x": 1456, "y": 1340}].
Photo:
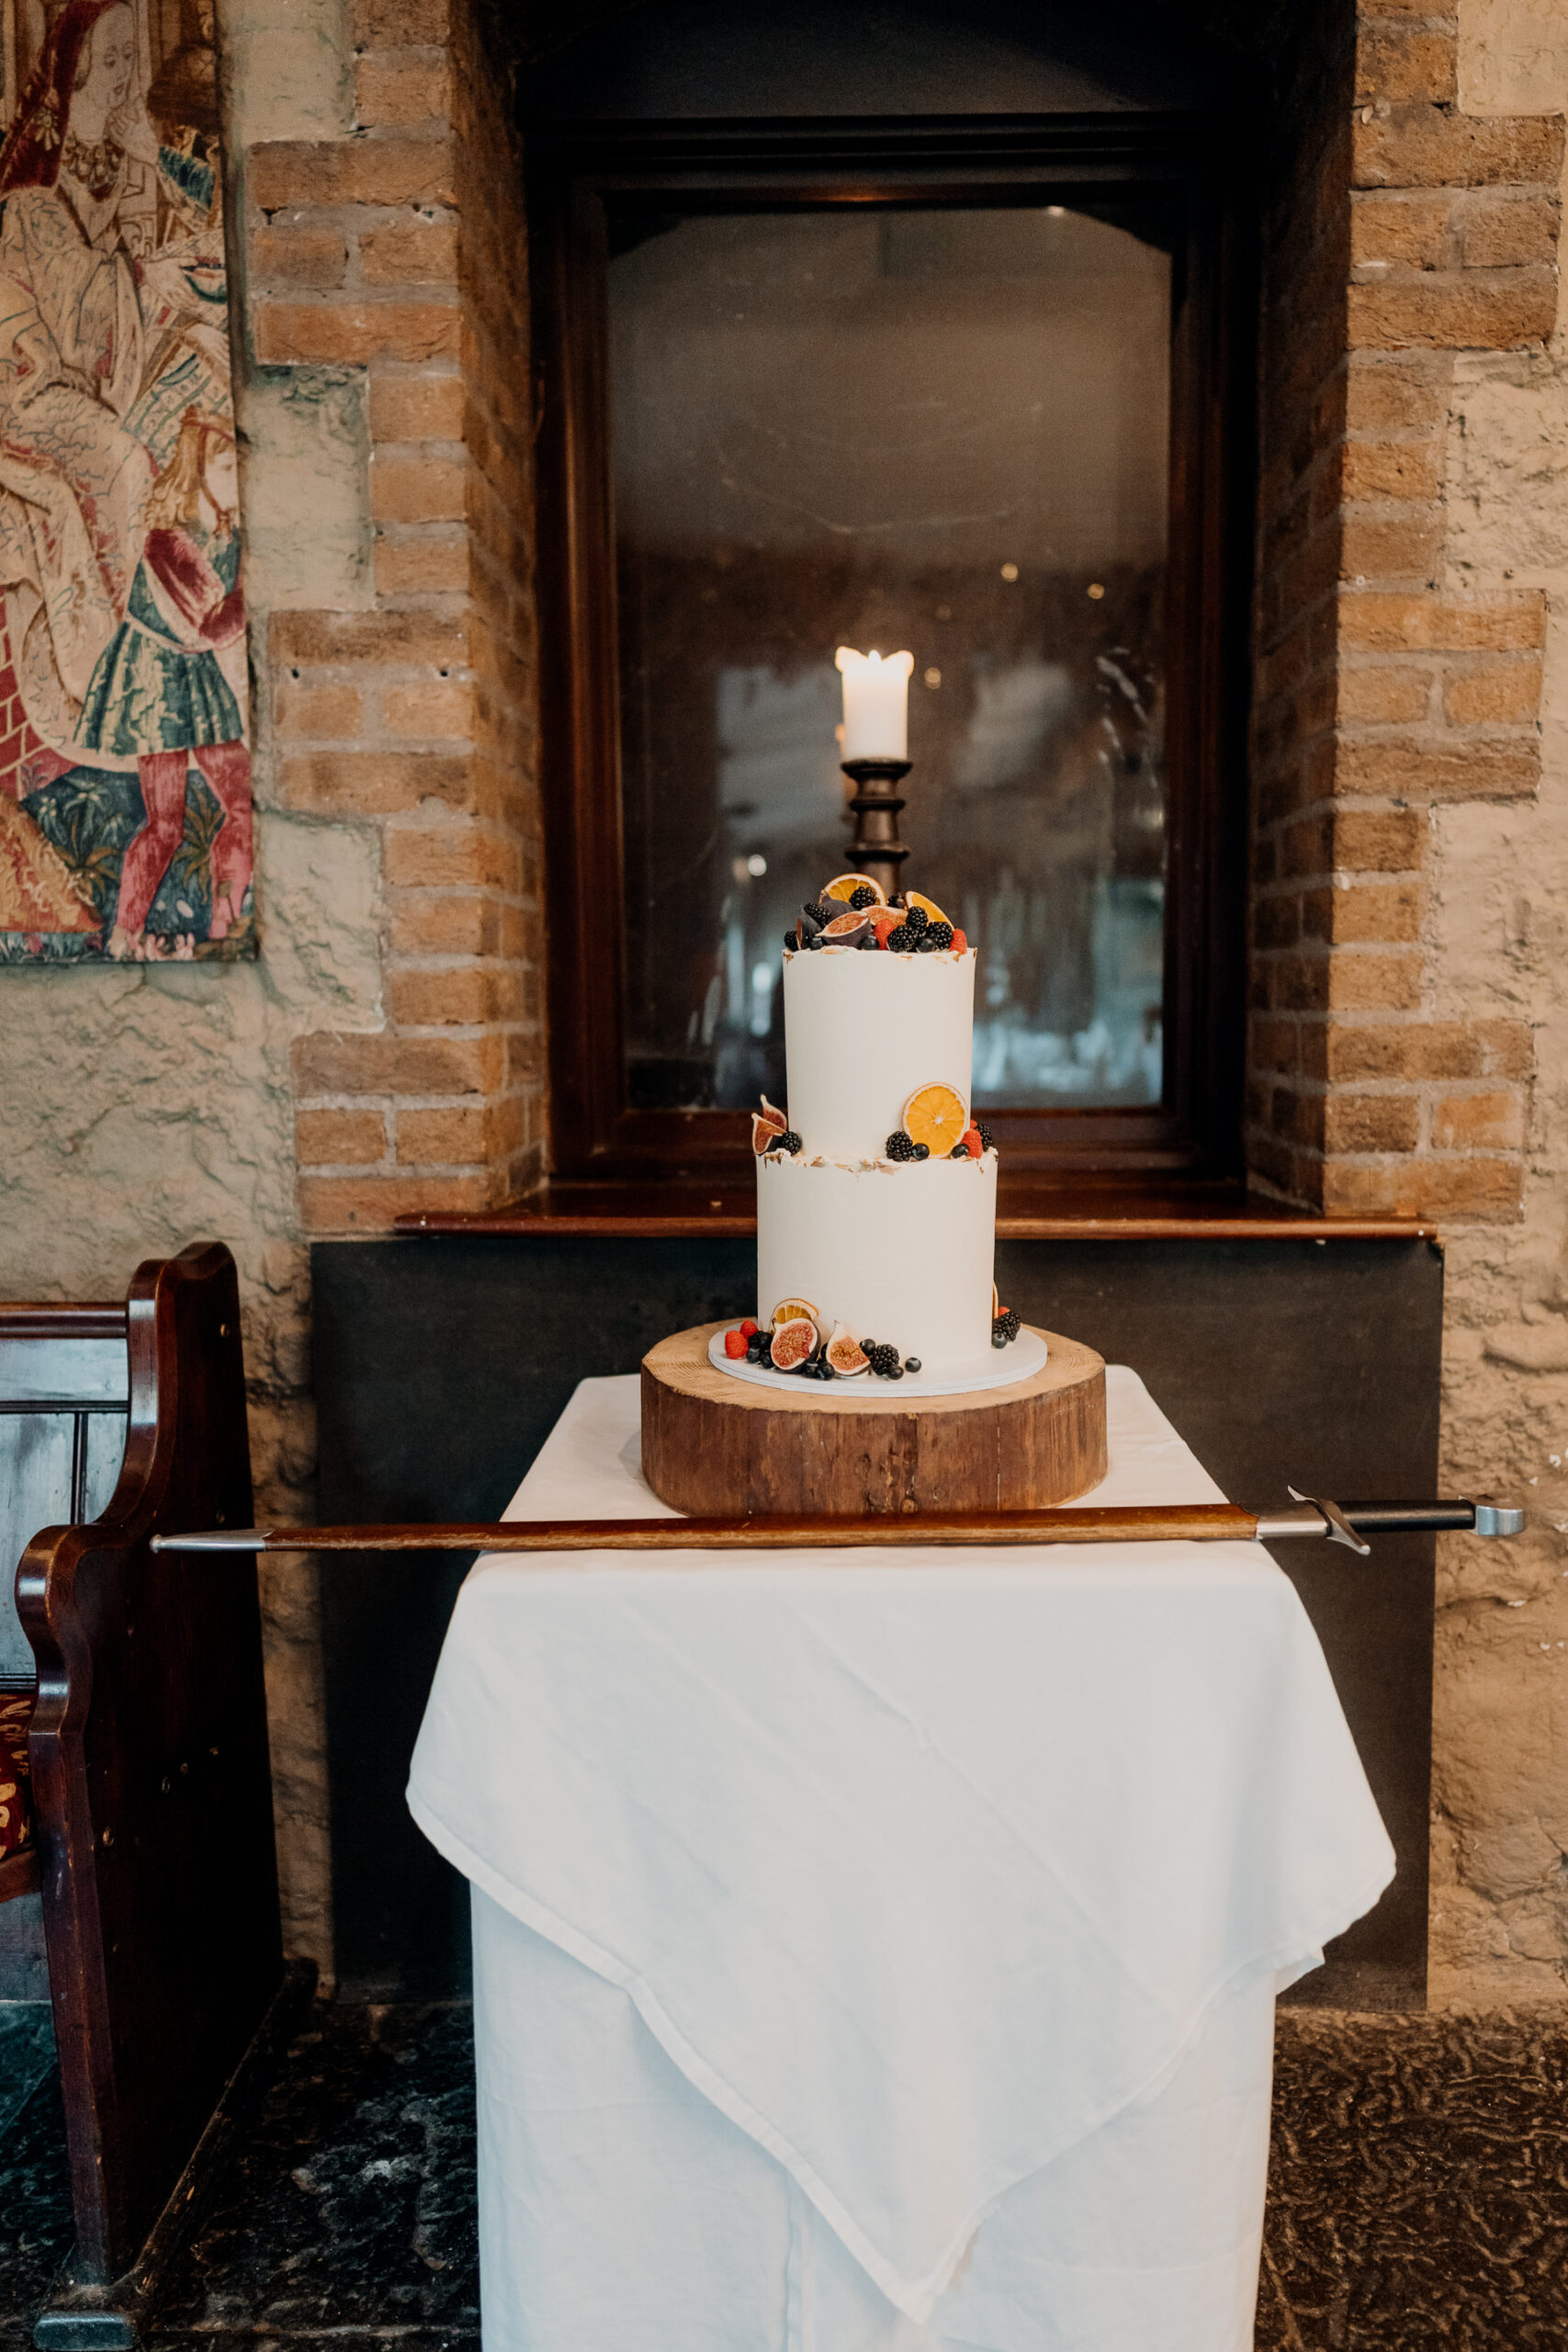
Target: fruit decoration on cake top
[{"x": 853, "y": 912}]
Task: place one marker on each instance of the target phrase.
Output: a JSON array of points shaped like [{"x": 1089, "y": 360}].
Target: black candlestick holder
[{"x": 876, "y": 849}]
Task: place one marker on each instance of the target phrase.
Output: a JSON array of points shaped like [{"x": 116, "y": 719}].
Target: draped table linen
[{"x": 876, "y": 1951}]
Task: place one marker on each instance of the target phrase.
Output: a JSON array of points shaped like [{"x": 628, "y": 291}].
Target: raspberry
[
  {"x": 748, "y": 1328},
  {"x": 862, "y": 895},
  {"x": 938, "y": 935},
  {"x": 899, "y": 1146},
  {"x": 735, "y": 1345}
]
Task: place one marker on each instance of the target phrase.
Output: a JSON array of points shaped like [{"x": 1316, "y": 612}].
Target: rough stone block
[
  {"x": 1404, "y": 470},
  {"x": 287, "y": 252},
  {"x": 1429, "y": 770},
  {"x": 375, "y": 784},
  {"x": 1376, "y": 913},
  {"x": 425, "y": 565},
  {"x": 433, "y": 711},
  {"x": 410, "y": 252},
  {"x": 1372, "y": 1122},
  {"x": 1402, "y": 64},
  {"x": 443, "y": 1138},
  {"x": 1378, "y": 841},
  {"x": 372, "y": 1203},
  {"x": 418, "y": 490},
  {"x": 1411, "y": 231},
  {"x": 421, "y": 638},
  {"x": 417, "y": 408},
  {"x": 1509, "y": 231},
  {"x": 467, "y": 995},
  {"x": 1390, "y": 393},
  {"x": 377, "y": 1063},
  {"x": 401, "y": 93},
  {"x": 440, "y": 923},
  {"x": 442, "y": 857},
  {"x": 1375, "y": 543},
  {"x": 330, "y": 712},
  {"x": 1361, "y": 980},
  {"x": 389, "y": 24},
  {"x": 1380, "y": 696}
]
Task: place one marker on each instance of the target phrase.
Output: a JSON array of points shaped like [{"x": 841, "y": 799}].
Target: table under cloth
[{"x": 877, "y": 1951}]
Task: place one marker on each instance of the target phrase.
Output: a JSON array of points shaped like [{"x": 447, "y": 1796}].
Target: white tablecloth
[{"x": 873, "y": 1956}]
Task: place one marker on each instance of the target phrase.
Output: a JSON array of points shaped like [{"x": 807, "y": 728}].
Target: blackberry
[
  {"x": 987, "y": 1140},
  {"x": 900, "y": 942},
  {"x": 790, "y": 940},
  {"x": 789, "y": 1141},
  {"x": 900, "y": 1147},
  {"x": 916, "y": 919},
  {"x": 883, "y": 1360},
  {"x": 938, "y": 934},
  {"x": 822, "y": 911},
  {"x": 1005, "y": 1327},
  {"x": 862, "y": 895}
]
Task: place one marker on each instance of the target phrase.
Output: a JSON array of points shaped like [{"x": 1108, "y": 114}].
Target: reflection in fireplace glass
[{"x": 944, "y": 430}]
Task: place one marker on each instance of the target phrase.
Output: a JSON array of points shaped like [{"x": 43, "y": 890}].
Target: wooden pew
[{"x": 150, "y": 1784}]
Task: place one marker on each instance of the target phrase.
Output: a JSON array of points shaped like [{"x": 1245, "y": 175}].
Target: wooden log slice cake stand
[{"x": 716, "y": 1446}]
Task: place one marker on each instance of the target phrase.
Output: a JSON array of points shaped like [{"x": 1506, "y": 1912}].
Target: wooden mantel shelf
[{"x": 1028, "y": 1209}]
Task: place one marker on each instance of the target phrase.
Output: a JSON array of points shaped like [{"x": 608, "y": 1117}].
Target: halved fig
[
  {"x": 763, "y": 1136},
  {"x": 774, "y": 1117},
  {"x": 846, "y": 1355},
  {"x": 793, "y": 1342},
  {"x": 848, "y": 929}
]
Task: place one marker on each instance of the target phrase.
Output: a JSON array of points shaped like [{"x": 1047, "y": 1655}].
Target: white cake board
[{"x": 1020, "y": 1360}]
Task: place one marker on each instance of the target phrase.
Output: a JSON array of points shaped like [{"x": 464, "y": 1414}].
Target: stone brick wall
[
  {"x": 1389, "y": 685},
  {"x": 396, "y": 251}
]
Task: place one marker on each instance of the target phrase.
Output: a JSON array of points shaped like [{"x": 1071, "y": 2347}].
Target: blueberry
[{"x": 912, "y": 1364}]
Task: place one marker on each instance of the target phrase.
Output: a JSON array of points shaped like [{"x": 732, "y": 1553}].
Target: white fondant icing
[
  {"x": 902, "y": 1254},
  {"x": 862, "y": 1029}
]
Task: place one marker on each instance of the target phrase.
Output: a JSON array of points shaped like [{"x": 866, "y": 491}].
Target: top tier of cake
[{"x": 863, "y": 1031}]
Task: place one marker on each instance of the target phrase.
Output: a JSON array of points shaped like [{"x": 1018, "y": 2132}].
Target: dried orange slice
[
  {"x": 928, "y": 906},
  {"x": 844, "y": 886},
  {"x": 794, "y": 1311},
  {"x": 936, "y": 1115}
]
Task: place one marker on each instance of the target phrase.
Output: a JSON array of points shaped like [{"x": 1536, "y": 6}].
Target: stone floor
[{"x": 1418, "y": 2196}]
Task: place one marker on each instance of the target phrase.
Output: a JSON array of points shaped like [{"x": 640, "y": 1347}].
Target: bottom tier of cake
[{"x": 900, "y": 1254}]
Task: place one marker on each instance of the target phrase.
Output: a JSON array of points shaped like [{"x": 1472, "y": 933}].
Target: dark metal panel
[{"x": 442, "y": 1365}]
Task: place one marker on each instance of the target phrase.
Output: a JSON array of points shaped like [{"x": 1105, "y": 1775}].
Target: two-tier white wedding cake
[{"x": 876, "y": 1204}]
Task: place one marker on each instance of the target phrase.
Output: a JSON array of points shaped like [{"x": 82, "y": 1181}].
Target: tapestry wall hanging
[{"x": 125, "y": 771}]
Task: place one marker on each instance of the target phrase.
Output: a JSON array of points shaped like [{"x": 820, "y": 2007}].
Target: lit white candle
[{"x": 876, "y": 704}]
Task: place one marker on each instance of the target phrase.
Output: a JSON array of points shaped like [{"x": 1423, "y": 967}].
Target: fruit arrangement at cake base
[{"x": 715, "y": 1445}]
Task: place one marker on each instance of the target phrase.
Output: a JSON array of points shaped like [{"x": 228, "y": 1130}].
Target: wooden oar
[{"x": 1346, "y": 1523}]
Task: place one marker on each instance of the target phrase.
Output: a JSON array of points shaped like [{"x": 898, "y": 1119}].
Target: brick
[
  {"x": 1372, "y": 543},
  {"x": 354, "y": 333},
  {"x": 373, "y": 1062},
  {"x": 1378, "y": 841},
  {"x": 1379, "y": 914},
  {"x": 391, "y": 24},
  {"x": 1491, "y": 1122},
  {"x": 467, "y": 995},
  {"x": 1405, "y": 470},
  {"x": 1275, "y": 1046},
  {"x": 291, "y": 174},
  {"x": 1417, "y": 1186},
  {"x": 430, "y": 712},
  {"x": 330, "y": 710},
  {"x": 1376, "y": 621},
  {"x": 285, "y": 254},
  {"x": 1372, "y": 1122},
  {"x": 1307, "y": 846},
  {"x": 1368, "y": 982},
  {"x": 1425, "y": 148},
  {"x": 375, "y": 784},
  {"x": 444, "y": 1138},
  {"x": 1426, "y": 771},
  {"x": 437, "y": 857},
  {"x": 401, "y": 93},
  {"x": 339, "y": 1138},
  {"x": 1379, "y": 696},
  {"x": 1500, "y": 692},
  {"x": 1390, "y": 394},
  {"x": 422, "y": 566},
  {"x": 1464, "y": 312},
  {"x": 1509, "y": 232},
  {"x": 440, "y": 923},
  {"x": 373, "y": 1204},
  {"x": 1403, "y": 65},
  {"x": 407, "y": 639},
  {"x": 1277, "y": 922},
  {"x": 1416, "y": 1050},
  {"x": 418, "y": 490},
  {"x": 414, "y": 250},
  {"x": 1410, "y": 230},
  {"x": 416, "y": 408}
]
